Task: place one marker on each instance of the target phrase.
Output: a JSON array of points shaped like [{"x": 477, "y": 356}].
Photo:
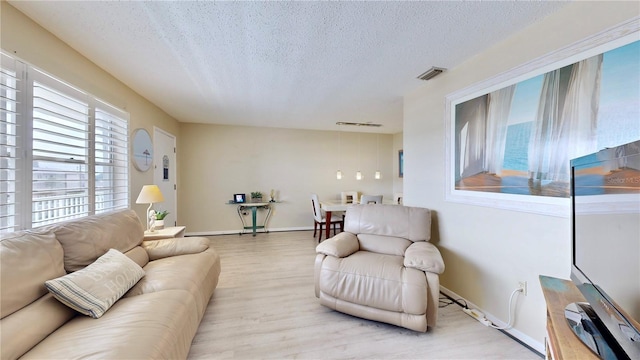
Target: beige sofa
[
  {"x": 382, "y": 267},
  {"x": 156, "y": 318}
]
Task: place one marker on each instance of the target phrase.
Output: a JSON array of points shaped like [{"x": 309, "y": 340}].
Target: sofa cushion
[
  {"x": 196, "y": 273},
  {"x": 92, "y": 290},
  {"x": 27, "y": 260},
  {"x": 152, "y": 326},
  {"x": 86, "y": 239}
]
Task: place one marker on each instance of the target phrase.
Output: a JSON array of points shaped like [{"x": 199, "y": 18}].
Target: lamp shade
[{"x": 150, "y": 194}]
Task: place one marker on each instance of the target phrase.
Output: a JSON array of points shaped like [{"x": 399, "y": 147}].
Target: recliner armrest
[
  {"x": 341, "y": 245},
  {"x": 424, "y": 256}
]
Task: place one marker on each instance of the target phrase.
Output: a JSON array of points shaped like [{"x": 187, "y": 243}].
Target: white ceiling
[{"x": 302, "y": 65}]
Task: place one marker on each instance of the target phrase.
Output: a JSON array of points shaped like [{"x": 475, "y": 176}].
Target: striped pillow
[{"x": 94, "y": 289}]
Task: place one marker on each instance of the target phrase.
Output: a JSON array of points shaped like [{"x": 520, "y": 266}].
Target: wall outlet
[{"x": 522, "y": 287}]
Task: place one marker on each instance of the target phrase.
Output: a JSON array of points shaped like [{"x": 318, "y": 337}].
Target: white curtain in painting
[
  {"x": 499, "y": 106},
  {"x": 566, "y": 121},
  {"x": 471, "y": 123}
]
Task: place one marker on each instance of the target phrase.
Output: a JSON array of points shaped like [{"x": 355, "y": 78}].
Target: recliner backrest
[{"x": 411, "y": 223}]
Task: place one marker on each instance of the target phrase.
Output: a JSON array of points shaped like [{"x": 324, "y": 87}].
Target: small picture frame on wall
[{"x": 401, "y": 163}]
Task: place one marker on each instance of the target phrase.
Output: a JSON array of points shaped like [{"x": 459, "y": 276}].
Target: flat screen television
[{"x": 605, "y": 198}]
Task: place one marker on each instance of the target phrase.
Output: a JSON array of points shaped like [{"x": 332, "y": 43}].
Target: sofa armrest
[
  {"x": 158, "y": 249},
  {"x": 341, "y": 245},
  {"x": 424, "y": 256}
]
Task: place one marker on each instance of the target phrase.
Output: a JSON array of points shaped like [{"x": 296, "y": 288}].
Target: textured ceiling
[{"x": 302, "y": 65}]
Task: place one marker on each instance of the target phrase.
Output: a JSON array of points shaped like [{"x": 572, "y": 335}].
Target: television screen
[{"x": 606, "y": 239}]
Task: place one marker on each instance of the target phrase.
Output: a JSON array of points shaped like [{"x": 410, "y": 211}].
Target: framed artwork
[
  {"x": 142, "y": 150},
  {"x": 401, "y": 163},
  {"x": 510, "y": 138}
]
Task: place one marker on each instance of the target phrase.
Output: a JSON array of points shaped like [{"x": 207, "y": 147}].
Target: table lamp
[{"x": 148, "y": 195}]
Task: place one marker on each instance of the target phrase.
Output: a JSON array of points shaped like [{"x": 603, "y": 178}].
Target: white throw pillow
[{"x": 94, "y": 289}]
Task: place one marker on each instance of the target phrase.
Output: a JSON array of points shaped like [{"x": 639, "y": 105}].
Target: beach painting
[{"x": 519, "y": 139}]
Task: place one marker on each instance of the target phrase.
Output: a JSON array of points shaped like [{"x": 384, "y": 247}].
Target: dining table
[{"x": 329, "y": 207}]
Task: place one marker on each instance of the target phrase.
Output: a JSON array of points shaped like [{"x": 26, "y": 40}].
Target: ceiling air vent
[
  {"x": 431, "y": 73},
  {"x": 358, "y": 124}
]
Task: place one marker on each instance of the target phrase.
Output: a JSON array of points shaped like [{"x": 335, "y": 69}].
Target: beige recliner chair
[{"x": 382, "y": 267}]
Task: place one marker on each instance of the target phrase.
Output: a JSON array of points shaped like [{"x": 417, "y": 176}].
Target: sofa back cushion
[
  {"x": 411, "y": 223},
  {"x": 27, "y": 260},
  {"x": 86, "y": 239}
]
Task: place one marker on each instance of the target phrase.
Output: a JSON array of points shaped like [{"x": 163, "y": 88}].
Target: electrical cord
[
  {"x": 509, "y": 324},
  {"x": 446, "y": 300}
]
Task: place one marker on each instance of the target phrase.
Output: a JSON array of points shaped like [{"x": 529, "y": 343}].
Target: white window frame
[{"x": 105, "y": 148}]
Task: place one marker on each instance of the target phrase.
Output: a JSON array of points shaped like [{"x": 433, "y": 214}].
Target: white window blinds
[
  {"x": 64, "y": 153},
  {"x": 111, "y": 159},
  {"x": 60, "y": 184},
  {"x": 8, "y": 143}
]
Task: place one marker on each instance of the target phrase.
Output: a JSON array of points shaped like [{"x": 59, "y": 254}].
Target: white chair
[
  {"x": 397, "y": 198},
  {"x": 319, "y": 217},
  {"x": 371, "y": 199},
  {"x": 349, "y": 197}
]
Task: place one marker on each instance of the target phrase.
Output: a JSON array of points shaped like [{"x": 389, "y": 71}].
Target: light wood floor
[{"x": 264, "y": 308}]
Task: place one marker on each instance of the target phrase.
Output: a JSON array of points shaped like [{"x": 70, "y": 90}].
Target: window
[
  {"x": 8, "y": 142},
  {"x": 75, "y": 148}
]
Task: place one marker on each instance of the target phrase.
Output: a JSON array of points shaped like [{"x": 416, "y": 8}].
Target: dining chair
[
  {"x": 349, "y": 197},
  {"x": 371, "y": 199},
  {"x": 319, "y": 217}
]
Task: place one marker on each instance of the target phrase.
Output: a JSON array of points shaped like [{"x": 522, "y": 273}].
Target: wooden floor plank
[{"x": 264, "y": 308}]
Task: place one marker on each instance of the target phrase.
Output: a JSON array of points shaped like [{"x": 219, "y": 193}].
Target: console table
[
  {"x": 561, "y": 342},
  {"x": 254, "y": 211}
]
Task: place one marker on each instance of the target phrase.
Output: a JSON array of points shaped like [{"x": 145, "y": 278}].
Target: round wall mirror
[{"x": 142, "y": 150}]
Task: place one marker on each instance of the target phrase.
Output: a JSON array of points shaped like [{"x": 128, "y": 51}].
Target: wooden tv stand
[{"x": 561, "y": 342}]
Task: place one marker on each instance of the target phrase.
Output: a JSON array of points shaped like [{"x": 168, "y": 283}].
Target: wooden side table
[
  {"x": 562, "y": 343},
  {"x": 166, "y": 233}
]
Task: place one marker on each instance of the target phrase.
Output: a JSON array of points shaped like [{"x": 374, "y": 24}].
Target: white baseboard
[
  {"x": 525, "y": 339},
  {"x": 247, "y": 232}
]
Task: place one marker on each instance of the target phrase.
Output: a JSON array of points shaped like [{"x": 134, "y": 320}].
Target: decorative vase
[
  {"x": 256, "y": 200},
  {"x": 159, "y": 224}
]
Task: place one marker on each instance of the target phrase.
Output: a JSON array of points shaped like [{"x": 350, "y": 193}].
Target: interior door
[{"x": 164, "y": 173}]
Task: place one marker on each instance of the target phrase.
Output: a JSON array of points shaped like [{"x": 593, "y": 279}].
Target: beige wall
[
  {"x": 217, "y": 161},
  {"x": 26, "y": 40},
  {"x": 488, "y": 250}
]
